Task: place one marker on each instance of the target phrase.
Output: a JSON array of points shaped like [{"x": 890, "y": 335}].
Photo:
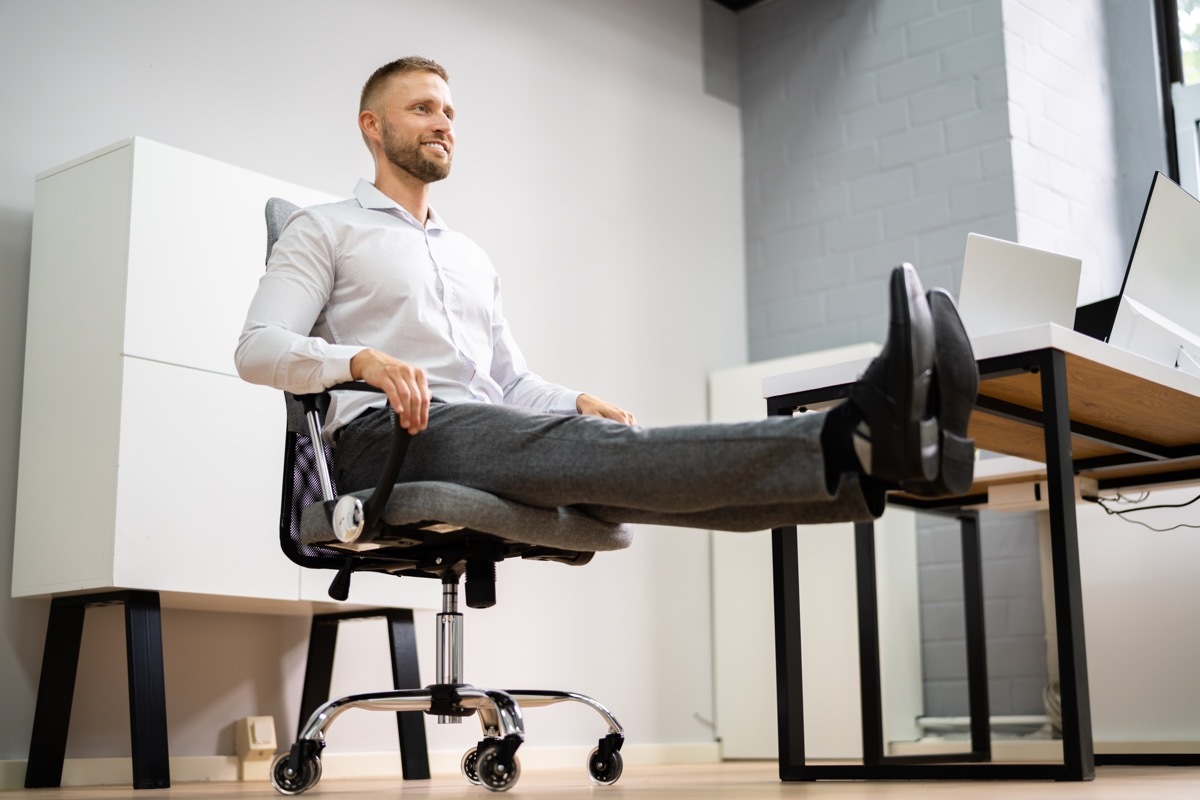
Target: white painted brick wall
[{"x": 1065, "y": 166}]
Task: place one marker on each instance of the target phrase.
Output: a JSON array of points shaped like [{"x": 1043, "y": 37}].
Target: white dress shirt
[{"x": 365, "y": 273}]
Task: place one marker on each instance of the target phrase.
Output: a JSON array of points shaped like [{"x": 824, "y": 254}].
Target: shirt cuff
[
  {"x": 567, "y": 403},
  {"x": 335, "y": 365}
]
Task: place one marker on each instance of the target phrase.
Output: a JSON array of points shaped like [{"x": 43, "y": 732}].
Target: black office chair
[{"x": 434, "y": 530}]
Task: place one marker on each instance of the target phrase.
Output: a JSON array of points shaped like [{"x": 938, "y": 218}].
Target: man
[{"x": 377, "y": 288}]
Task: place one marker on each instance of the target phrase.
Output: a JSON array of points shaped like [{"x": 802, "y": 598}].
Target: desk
[{"x": 1050, "y": 395}]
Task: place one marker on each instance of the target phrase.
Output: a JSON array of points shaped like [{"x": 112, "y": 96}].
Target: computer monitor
[{"x": 1158, "y": 313}]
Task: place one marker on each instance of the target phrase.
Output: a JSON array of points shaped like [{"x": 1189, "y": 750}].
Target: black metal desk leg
[
  {"x": 414, "y": 752},
  {"x": 56, "y": 690},
  {"x": 788, "y": 669},
  {"x": 1078, "y": 755},
  {"x": 973, "y": 611},
  {"x": 147, "y": 691},
  {"x": 870, "y": 680}
]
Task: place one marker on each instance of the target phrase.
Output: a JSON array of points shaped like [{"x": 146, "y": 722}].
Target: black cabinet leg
[
  {"x": 414, "y": 752},
  {"x": 147, "y": 691},
  {"x": 56, "y": 690},
  {"x": 147, "y": 688},
  {"x": 318, "y": 673},
  {"x": 318, "y": 677}
]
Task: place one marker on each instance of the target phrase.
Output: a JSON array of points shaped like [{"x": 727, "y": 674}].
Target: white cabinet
[
  {"x": 743, "y": 636},
  {"x": 145, "y": 462}
]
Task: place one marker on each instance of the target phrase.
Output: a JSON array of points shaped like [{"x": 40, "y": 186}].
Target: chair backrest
[
  {"x": 301, "y": 481},
  {"x": 278, "y": 211}
]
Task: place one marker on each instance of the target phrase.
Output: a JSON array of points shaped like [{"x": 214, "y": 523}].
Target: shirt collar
[{"x": 370, "y": 197}]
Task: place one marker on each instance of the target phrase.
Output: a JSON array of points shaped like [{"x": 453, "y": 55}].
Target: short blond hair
[{"x": 374, "y": 85}]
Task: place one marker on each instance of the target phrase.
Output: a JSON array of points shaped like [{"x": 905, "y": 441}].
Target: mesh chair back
[
  {"x": 278, "y": 211},
  {"x": 302, "y": 488}
]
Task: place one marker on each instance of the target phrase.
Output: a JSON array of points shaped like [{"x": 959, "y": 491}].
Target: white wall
[
  {"x": 605, "y": 185},
  {"x": 1062, "y": 114}
]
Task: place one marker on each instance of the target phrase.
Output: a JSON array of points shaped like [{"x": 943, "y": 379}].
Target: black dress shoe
[
  {"x": 893, "y": 395},
  {"x": 955, "y": 384}
]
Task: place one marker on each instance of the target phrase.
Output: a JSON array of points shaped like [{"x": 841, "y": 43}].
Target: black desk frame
[{"x": 1078, "y": 756}]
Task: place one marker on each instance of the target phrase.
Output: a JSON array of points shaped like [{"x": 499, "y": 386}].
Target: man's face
[{"x": 416, "y": 122}]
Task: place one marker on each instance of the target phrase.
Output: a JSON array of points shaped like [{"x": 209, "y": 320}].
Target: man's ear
[{"x": 371, "y": 126}]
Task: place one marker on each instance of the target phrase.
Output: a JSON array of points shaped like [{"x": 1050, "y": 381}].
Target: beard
[{"x": 412, "y": 158}]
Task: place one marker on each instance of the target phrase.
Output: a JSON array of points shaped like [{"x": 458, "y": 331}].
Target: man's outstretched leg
[
  {"x": 925, "y": 377},
  {"x": 829, "y": 466}
]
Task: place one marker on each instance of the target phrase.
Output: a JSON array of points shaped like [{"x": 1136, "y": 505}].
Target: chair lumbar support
[{"x": 348, "y": 518}]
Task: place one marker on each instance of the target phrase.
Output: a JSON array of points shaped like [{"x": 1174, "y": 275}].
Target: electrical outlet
[
  {"x": 1033, "y": 495},
  {"x": 255, "y": 746},
  {"x": 254, "y": 738}
]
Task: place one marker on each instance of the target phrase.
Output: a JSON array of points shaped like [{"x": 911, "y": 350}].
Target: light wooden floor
[{"x": 729, "y": 781}]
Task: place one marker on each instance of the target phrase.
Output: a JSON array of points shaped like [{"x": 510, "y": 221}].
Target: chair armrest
[{"x": 378, "y": 501}]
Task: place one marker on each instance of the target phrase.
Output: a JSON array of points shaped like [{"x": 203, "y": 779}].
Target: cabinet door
[
  {"x": 197, "y": 242},
  {"x": 199, "y": 477}
]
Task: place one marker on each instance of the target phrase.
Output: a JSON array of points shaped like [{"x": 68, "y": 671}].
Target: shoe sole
[
  {"x": 956, "y": 467},
  {"x": 917, "y": 444}
]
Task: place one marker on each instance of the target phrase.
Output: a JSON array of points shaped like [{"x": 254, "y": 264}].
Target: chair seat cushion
[{"x": 452, "y": 504}]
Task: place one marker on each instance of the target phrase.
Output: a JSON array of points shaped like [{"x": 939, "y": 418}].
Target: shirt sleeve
[
  {"x": 275, "y": 348},
  {"x": 522, "y": 387}
]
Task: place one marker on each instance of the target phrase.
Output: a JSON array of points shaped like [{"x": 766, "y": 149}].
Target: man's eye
[{"x": 422, "y": 108}]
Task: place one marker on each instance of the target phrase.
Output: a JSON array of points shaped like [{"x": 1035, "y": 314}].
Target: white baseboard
[
  {"x": 1042, "y": 749},
  {"x": 200, "y": 769}
]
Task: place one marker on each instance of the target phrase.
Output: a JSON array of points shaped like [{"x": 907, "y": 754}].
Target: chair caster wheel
[
  {"x": 493, "y": 773},
  {"x": 468, "y": 765},
  {"x": 604, "y": 771},
  {"x": 288, "y": 782}
]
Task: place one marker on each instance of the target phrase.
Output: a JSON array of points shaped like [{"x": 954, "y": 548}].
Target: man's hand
[
  {"x": 407, "y": 391},
  {"x": 586, "y": 404}
]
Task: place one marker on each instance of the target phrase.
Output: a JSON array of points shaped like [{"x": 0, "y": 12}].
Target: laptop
[{"x": 1006, "y": 286}]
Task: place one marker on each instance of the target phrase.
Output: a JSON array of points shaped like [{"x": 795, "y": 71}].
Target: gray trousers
[{"x": 744, "y": 476}]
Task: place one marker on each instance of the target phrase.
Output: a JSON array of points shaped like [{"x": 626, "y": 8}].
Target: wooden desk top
[{"x": 1110, "y": 392}]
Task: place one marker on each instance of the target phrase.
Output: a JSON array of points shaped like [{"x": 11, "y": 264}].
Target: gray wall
[{"x": 875, "y": 132}]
